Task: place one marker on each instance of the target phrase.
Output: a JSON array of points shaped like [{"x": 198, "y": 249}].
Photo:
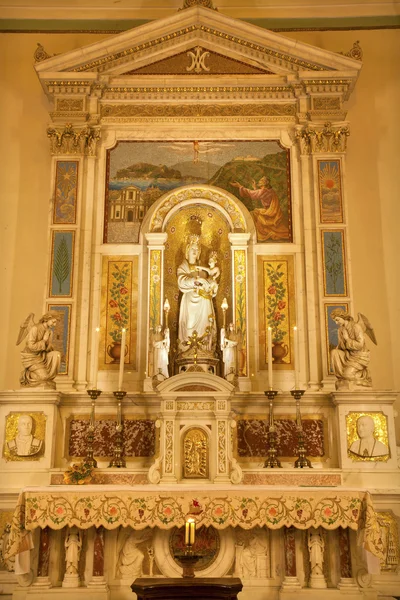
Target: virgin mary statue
[{"x": 196, "y": 310}]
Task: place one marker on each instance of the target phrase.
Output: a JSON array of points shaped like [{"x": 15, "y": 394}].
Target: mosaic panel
[
  {"x": 66, "y": 191},
  {"x": 62, "y": 263},
  {"x": 61, "y": 333}
]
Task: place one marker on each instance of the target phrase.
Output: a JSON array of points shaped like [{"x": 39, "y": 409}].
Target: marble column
[
  {"x": 42, "y": 579},
  {"x": 346, "y": 580},
  {"x": 290, "y": 582},
  {"x": 98, "y": 580}
]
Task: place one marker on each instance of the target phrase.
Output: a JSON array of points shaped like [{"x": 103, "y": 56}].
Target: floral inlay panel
[
  {"x": 66, "y": 190},
  {"x": 139, "y": 437},
  {"x": 140, "y": 508},
  {"x": 240, "y": 304},
  {"x": 252, "y": 437},
  {"x": 119, "y": 308},
  {"x": 276, "y": 309}
]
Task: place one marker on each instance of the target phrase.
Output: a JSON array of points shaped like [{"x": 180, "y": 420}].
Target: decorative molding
[
  {"x": 355, "y": 52},
  {"x": 40, "y": 54},
  {"x": 69, "y": 104},
  {"x": 73, "y": 141},
  {"x": 151, "y": 93},
  {"x": 326, "y": 103},
  {"x": 190, "y": 111},
  {"x": 326, "y": 139},
  {"x": 203, "y": 3}
]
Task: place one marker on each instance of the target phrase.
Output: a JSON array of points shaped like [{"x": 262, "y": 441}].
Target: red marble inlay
[
  {"x": 290, "y": 552},
  {"x": 252, "y": 437},
  {"x": 98, "y": 553},
  {"x": 44, "y": 553},
  {"x": 344, "y": 553}
]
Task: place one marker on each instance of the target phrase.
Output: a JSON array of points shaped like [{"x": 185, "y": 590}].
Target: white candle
[
  {"x": 270, "y": 358},
  {"x": 122, "y": 360},
  {"x": 296, "y": 358},
  {"x": 95, "y": 347},
  {"x": 190, "y": 529}
]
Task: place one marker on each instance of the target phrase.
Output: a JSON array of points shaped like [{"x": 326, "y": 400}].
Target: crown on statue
[{"x": 193, "y": 239}]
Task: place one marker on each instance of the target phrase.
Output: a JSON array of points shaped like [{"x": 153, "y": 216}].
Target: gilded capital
[
  {"x": 73, "y": 141},
  {"x": 321, "y": 140}
]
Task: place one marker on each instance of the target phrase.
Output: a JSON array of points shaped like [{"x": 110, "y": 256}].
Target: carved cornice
[
  {"x": 201, "y": 32},
  {"x": 327, "y": 138},
  {"x": 165, "y": 111},
  {"x": 239, "y": 92},
  {"x": 74, "y": 141},
  {"x": 203, "y": 3}
]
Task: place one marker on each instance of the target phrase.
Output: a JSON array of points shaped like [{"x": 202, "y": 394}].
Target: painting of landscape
[{"x": 139, "y": 173}]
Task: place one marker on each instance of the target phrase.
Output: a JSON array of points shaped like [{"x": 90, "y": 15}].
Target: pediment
[{"x": 198, "y": 46}]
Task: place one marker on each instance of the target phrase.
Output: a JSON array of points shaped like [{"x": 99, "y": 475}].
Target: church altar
[{"x": 219, "y": 506}]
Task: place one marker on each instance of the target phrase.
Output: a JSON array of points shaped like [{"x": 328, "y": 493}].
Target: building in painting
[{"x": 207, "y": 328}]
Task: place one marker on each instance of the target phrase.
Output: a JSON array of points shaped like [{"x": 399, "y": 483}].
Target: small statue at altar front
[
  {"x": 161, "y": 347},
  {"x": 316, "y": 547},
  {"x": 197, "y": 309},
  {"x": 229, "y": 350},
  {"x": 39, "y": 359},
  {"x": 73, "y": 546},
  {"x": 350, "y": 359}
]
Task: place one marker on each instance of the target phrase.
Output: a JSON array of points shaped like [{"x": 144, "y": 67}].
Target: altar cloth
[{"x": 217, "y": 505}]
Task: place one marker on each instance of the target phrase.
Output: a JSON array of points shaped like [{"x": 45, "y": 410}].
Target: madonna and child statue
[{"x": 197, "y": 334}]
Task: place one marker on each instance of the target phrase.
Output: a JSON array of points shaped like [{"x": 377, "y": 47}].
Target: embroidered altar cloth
[{"x": 217, "y": 505}]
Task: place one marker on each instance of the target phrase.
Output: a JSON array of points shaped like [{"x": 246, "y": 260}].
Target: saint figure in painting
[
  {"x": 268, "y": 219},
  {"x": 196, "y": 311}
]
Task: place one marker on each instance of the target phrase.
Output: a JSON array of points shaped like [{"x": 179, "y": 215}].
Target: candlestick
[
  {"x": 270, "y": 358},
  {"x": 302, "y": 462},
  {"x": 224, "y": 307},
  {"x": 122, "y": 360},
  {"x": 95, "y": 346},
  {"x": 166, "y": 310},
  {"x": 118, "y": 459},
  {"x": 272, "y": 461},
  {"x": 89, "y": 459},
  {"x": 296, "y": 357},
  {"x": 190, "y": 532}
]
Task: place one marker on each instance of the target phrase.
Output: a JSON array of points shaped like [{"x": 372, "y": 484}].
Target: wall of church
[{"x": 371, "y": 188}]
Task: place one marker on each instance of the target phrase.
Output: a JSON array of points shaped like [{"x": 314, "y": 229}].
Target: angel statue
[
  {"x": 350, "y": 359},
  {"x": 40, "y": 361}
]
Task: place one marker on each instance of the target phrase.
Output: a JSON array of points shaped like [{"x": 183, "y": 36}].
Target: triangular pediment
[{"x": 198, "y": 47}]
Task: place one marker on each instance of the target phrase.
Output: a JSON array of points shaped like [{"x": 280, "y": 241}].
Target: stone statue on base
[
  {"x": 161, "y": 346},
  {"x": 39, "y": 359},
  {"x": 73, "y": 547},
  {"x": 229, "y": 350},
  {"x": 350, "y": 359},
  {"x": 130, "y": 559},
  {"x": 316, "y": 546}
]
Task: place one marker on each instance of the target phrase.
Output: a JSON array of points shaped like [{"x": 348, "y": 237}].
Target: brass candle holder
[
  {"x": 89, "y": 458},
  {"x": 272, "y": 461},
  {"x": 188, "y": 561},
  {"x": 302, "y": 462},
  {"x": 118, "y": 460}
]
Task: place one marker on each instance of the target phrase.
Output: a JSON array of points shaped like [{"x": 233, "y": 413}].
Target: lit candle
[
  {"x": 224, "y": 307},
  {"x": 95, "y": 346},
  {"x": 270, "y": 358},
  {"x": 166, "y": 310},
  {"x": 190, "y": 528},
  {"x": 122, "y": 360},
  {"x": 296, "y": 358}
]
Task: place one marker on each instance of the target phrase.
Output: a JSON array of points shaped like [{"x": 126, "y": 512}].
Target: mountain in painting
[
  {"x": 249, "y": 172},
  {"x": 202, "y": 169},
  {"x": 148, "y": 171}
]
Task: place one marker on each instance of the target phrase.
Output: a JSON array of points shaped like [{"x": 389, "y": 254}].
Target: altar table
[
  {"x": 204, "y": 588},
  {"x": 168, "y": 506}
]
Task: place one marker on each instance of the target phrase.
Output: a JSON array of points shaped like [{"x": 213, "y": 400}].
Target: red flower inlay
[
  {"x": 113, "y": 304},
  {"x": 123, "y": 290},
  {"x": 33, "y": 512},
  {"x": 86, "y": 511},
  {"x": 245, "y": 512},
  {"x": 355, "y": 513},
  {"x": 299, "y": 513},
  {"x": 113, "y": 510},
  {"x": 281, "y": 304},
  {"x": 59, "y": 510},
  {"x": 117, "y": 317},
  {"x": 218, "y": 511},
  {"x": 272, "y": 289},
  {"x": 272, "y": 511},
  {"x": 167, "y": 511},
  {"x": 277, "y": 316},
  {"x": 141, "y": 512},
  {"x": 327, "y": 512}
]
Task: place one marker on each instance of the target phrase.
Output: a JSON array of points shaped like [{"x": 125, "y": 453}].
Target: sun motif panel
[
  {"x": 119, "y": 307},
  {"x": 330, "y": 191},
  {"x": 276, "y": 309},
  {"x": 66, "y": 191},
  {"x": 209, "y": 223}
]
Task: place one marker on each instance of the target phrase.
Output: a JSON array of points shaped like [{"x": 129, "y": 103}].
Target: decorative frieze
[
  {"x": 73, "y": 141},
  {"x": 313, "y": 139}
]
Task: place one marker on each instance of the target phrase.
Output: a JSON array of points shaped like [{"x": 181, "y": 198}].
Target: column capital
[
  {"x": 156, "y": 240},
  {"x": 316, "y": 138}
]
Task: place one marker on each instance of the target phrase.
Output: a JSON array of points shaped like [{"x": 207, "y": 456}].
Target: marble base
[
  {"x": 42, "y": 582},
  {"x": 317, "y": 582},
  {"x": 290, "y": 584},
  {"x": 347, "y": 584},
  {"x": 71, "y": 581},
  {"x": 98, "y": 582}
]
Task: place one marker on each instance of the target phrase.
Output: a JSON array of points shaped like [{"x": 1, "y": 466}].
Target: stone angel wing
[
  {"x": 367, "y": 327},
  {"x": 25, "y": 327}
]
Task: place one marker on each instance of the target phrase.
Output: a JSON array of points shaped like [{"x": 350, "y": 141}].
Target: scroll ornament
[{"x": 328, "y": 139}]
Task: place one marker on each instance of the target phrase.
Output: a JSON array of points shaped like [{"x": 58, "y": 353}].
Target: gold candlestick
[
  {"x": 302, "y": 462},
  {"x": 272, "y": 462},
  {"x": 118, "y": 459},
  {"x": 89, "y": 459}
]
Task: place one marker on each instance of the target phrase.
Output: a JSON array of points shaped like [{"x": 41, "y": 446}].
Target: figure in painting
[
  {"x": 268, "y": 219},
  {"x": 350, "y": 359},
  {"x": 229, "y": 350},
  {"x": 196, "y": 307},
  {"x": 161, "y": 346},
  {"x": 39, "y": 359},
  {"x": 367, "y": 446},
  {"x": 24, "y": 443}
]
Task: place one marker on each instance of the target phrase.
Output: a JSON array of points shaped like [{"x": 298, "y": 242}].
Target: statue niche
[
  {"x": 197, "y": 277},
  {"x": 195, "y": 451}
]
